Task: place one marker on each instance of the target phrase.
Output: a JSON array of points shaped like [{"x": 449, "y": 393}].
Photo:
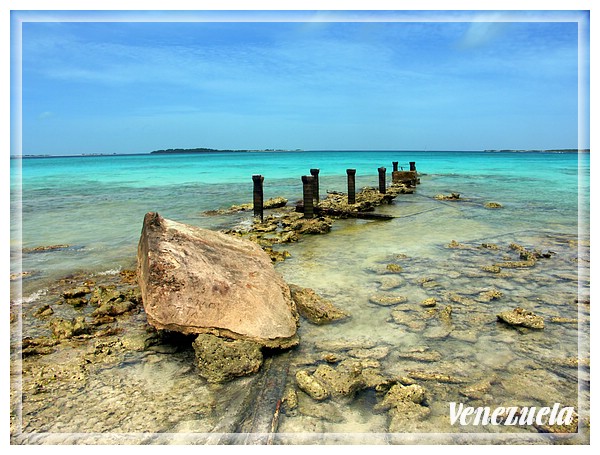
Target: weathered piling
[
  {"x": 315, "y": 174},
  {"x": 258, "y": 196},
  {"x": 413, "y": 166},
  {"x": 307, "y": 191},
  {"x": 351, "y": 186},
  {"x": 381, "y": 180},
  {"x": 395, "y": 166}
]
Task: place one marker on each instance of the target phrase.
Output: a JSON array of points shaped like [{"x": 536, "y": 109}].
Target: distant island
[
  {"x": 547, "y": 151},
  {"x": 208, "y": 150}
]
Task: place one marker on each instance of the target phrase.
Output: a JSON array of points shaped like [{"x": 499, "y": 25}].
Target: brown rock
[
  {"x": 344, "y": 380},
  {"x": 523, "y": 318},
  {"x": 77, "y": 292},
  {"x": 492, "y": 205},
  {"x": 444, "y": 197},
  {"x": 430, "y": 302},
  {"x": 387, "y": 300},
  {"x": 311, "y": 386},
  {"x": 195, "y": 280},
  {"x": 398, "y": 394},
  {"x": 220, "y": 360},
  {"x": 63, "y": 328},
  {"x": 44, "y": 310},
  {"x": 314, "y": 307}
]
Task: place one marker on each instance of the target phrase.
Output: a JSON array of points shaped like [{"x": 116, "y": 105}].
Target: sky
[{"x": 121, "y": 83}]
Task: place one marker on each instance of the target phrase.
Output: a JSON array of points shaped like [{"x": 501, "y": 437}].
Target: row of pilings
[{"x": 310, "y": 187}]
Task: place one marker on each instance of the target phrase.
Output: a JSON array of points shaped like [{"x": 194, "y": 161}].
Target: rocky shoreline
[{"x": 88, "y": 345}]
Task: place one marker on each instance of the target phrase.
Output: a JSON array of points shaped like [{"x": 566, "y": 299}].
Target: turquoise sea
[{"x": 96, "y": 205}]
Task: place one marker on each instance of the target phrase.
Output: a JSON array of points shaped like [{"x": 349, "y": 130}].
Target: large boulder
[{"x": 195, "y": 280}]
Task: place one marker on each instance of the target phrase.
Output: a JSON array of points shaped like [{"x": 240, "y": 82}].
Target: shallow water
[{"x": 99, "y": 215}]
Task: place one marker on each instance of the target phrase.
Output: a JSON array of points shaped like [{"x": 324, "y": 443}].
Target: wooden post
[
  {"x": 315, "y": 174},
  {"x": 413, "y": 166},
  {"x": 381, "y": 180},
  {"x": 395, "y": 165},
  {"x": 258, "y": 196},
  {"x": 351, "y": 186},
  {"x": 307, "y": 190}
]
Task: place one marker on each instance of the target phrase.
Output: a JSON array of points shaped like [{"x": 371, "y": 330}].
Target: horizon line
[{"x": 185, "y": 152}]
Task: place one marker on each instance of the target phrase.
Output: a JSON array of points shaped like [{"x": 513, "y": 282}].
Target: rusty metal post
[
  {"x": 307, "y": 191},
  {"x": 395, "y": 165},
  {"x": 351, "y": 186},
  {"x": 315, "y": 174},
  {"x": 258, "y": 196},
  {"x": 413, "y": 166},
  {"x": 381, "y": 180}
]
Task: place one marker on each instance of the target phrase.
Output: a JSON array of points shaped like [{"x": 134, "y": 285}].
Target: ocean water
[{"x": 96, "y": 205}]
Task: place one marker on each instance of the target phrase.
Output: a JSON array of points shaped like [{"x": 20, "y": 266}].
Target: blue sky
[{"x": 110, "y": 85}]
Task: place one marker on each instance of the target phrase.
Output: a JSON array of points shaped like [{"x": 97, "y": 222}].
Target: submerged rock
[
  {"x": 103, "y": 294},
  {"x": 343, "y": 380},
  {"x": 456, "y": 245},
  {"x": 321, "y": 225},
  {"x": 393, "y": 268},
  {"x": 345, "y": 344},
  {"x": 113, "y": 308},
  {"x": 491, "y": 269},
  {"x": 276, "y": 255},
  {"x": 522, "y": 318},
  {"x": 19, "y": 275},
  {"x": 77, "y": 292},
  {"x": 451, "y": 197},
  {"x": 399, "y": 393},
  {"x": 315, "y": 308},
  {"x": 405, "y": 414},
  {"x": 272, "y": 203},
  {"x": 195, "y": 280},
  {"x": 478, "y": 390},
  {"x": 37, "y": 346},
  {"x": 77, "y": 301},
  {"x": 387, "y": 300},
  {"x": 389, "y": 283},
  {"x": 220, "y": 360},
  {"x": 44, "y": 248},
  {"x": 457, "y": 298},
  {"x": 445, "y": 315},
  {"x": 408, "y": 320},
  {"x": 405, "y": 405},
  {"x": 375, "y": 353},
  {"x": 430, "y": 302},
  {"x": 489, "y": 246},
  {"x": 44, "y": 310},
  {"x": 311, "y": 386},
  {"x": 63, "y": 328},
  {"x": 421, "y": 355},
  {"x": 436, "y": 377},
  {"x": 515, "y": 264},
  {"x": 560, "y": 320},
  {"x": 492, "y": 205},
  {"x": 571, "y": 427},
  {"x": 487, "y": 296}
]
